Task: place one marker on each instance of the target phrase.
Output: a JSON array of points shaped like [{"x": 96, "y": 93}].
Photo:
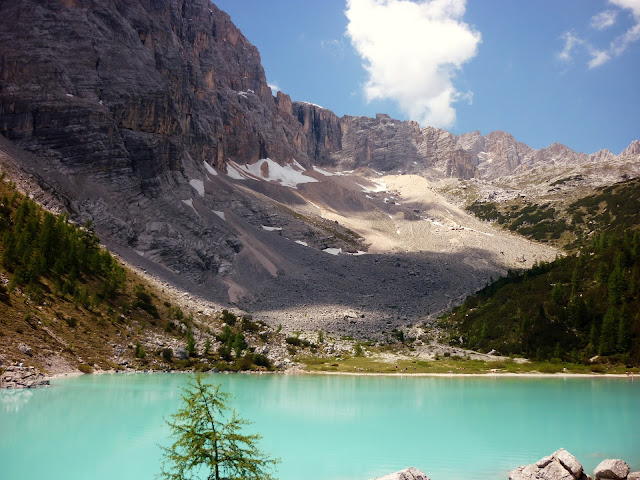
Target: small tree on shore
[{"x": 209, "y": 443}]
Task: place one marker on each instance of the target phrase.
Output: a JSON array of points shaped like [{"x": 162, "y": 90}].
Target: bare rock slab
[
  {"x": 410, "y": 473},
  {"x": 613, "y": 469}
]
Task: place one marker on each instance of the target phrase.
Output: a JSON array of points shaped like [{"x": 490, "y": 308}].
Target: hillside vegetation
[
  {"x": 572, "y": 309},
  {"x": 612, "y": 208},
  {"x": 66, "y": 302}
]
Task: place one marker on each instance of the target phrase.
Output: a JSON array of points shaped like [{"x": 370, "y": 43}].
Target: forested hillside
[
  {"x": 66, "y": 302},
  {"x": 576, "y": 307}
]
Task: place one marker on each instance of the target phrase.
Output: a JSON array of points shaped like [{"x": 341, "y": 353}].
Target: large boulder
[
  {"x": 410, "y": 473},
  {"x": 561, "y": 465},
  {"x": 23, "y": 377},
  {"x": 613, "y": 469}
]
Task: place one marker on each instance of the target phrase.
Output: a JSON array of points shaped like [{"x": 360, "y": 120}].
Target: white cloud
[
  {"x": 604, "y": 19},
  {"x": 598, "y": 57},
  {"x": 411, "y": 51},
  {"x": 274, "y": 88},
  {"x": 571, "y": 41}
]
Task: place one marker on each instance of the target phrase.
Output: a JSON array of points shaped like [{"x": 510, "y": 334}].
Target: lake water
[{"x": 326, "y": 427}]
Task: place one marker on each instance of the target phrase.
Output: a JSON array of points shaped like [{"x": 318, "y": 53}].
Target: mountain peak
[{"x": 632, "y": 149}]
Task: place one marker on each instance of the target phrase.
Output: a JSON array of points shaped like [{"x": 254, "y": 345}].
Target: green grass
[{"x": 375, "y": 365}]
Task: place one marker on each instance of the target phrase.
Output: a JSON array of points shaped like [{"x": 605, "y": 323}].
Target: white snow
[
  {"x": 198, "y": 185},
  {"x": 210, "y": 169},
  {"x": 360, "y": 252},
  {"x": 324, "y": 172},
  {"x": 271, "y": 229},
  {"x": 233, "y": 171},
  {"x": 398, "y": 231},
  {"x": 298, "y": 166},
  {"x": 69, "y": 95},
  {"x": 220, "y": 214},
  {"x": 368, "y": 196},
  {"x": 333, "y": 251},
  {"x": 396, "y": 203},
  {"x": 286, "y": 176},
  {"x": 312, "y": 104},
  {"x": 378, "y": 173},
  {"x": 300, "y": 242},
  {"x": 190, "y": 203}
]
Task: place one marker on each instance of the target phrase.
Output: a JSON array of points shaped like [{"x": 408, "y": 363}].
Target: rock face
[
  {"x": 561, "y": 465},
  {"x": 22, "y": 377},
  {"x": 612, "y": 469},
  {"x": 406, "y": 474},
  {"x": 133, "y": 88}
]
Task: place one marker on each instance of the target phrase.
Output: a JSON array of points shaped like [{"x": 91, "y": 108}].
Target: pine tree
[{"x": 207, "y": 442}]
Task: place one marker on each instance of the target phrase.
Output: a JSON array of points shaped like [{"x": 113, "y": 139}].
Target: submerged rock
[
  {"x": 23, "y": 377},
  {"x": 410, "y": 473},
  {"x": 613, "y": 469}
]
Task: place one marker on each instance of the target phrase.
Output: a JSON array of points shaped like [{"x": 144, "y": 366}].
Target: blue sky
[{"x": 546, "y": 71}]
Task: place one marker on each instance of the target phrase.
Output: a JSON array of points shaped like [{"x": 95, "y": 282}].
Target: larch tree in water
[{"x": 208, "y": 442}]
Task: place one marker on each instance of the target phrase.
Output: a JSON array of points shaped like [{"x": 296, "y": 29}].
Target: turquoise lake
[{"x": 326, "y": 427}]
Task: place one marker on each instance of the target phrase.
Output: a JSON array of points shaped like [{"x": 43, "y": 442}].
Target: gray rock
[
  {"x": 561, "y": 465},
  {"x": 613, "y": 469},
  {"x": 23, "y": 377},
  {"x": 181, "y": 353},
  {"x": 26, "y": 349},
  {"x": 569, "y": 462},
  {"x": 410, "y": 473}
]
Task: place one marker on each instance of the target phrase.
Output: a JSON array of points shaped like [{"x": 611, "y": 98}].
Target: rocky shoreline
[
  {"x": 560, "y": 465},
  {"x": 16, "y": 377}
]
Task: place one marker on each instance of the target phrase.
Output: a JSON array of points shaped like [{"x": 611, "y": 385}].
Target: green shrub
[{"x": 86, "y": 369}]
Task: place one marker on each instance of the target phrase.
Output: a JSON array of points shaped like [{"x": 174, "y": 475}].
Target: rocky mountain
[
  {"x": 389, "y": 145},
  {"x": 153, "y": 118}
]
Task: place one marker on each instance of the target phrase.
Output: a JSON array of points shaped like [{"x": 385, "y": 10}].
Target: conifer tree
[{"x": 209, "y": 443}]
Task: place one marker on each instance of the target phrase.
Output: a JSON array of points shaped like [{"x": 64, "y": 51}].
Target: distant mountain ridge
[{"x": 388, "y": 145}]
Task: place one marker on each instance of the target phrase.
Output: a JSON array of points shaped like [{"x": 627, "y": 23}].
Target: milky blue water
[{"x": 325, "y": 427}]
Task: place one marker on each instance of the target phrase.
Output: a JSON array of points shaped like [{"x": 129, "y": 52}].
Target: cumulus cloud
[{"x": 411, "y": 52}]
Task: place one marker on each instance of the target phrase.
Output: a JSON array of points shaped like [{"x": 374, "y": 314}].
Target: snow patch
[
  {"x": 324, "y": 172},
  {"x": 312, "y": 104},
  {"x": 300, "y": 242},
  {"x": 333, "y": 251},
  {"x": 233, "y": 171},
  {"x": 210, "y": 169},
  {"x": 271, "y": 229},
  {"x": 69, "y": 95},
  {"x": 286, "y": 176},
  {"x": 297, "y": 165},
  {"x": 190, "y": 204},
  {"x": 198, "y": 185},
  {"x": 220, "y": 214}
]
